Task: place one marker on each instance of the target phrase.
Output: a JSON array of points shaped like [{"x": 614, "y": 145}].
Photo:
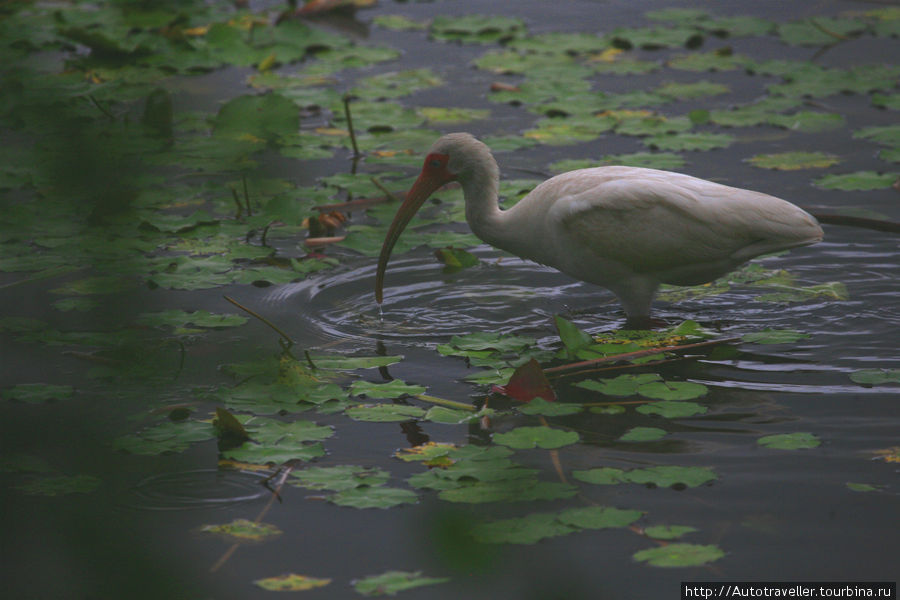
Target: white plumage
[{"x": 627, "y": 229}]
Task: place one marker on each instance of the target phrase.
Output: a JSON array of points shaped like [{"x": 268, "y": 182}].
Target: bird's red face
[{"x": 435, "y": 173}]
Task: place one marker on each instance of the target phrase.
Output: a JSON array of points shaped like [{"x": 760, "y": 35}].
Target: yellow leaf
[
  {"x": 247, "y": 22},
  {"x": 891, "y": 454},
  {"x": 336, "y": 131},
  {"x": 266, "y": 64},
  {"x": 626, "y": 114},
  {"x": 607, "y": 56},
  {"x": 198, "y": 31},
  {"x": 249, "y": 137},
  {"x": 291, "y": 583}
]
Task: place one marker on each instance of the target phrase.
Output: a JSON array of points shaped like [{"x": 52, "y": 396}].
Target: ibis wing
[{"x": 661, "y": 223}]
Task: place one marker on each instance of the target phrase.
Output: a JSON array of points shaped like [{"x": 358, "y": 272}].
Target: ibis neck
[{"x": 483, "y": 212}]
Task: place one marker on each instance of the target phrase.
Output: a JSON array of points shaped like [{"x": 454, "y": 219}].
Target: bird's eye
[{"x": 436, "y": 163}]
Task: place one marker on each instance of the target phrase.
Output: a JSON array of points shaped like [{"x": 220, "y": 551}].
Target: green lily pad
[
  {"x": 76, "y": 304},
  {"x": 654, "y": 125},
  {"x": 396, "y": 84},
  {"x": 165, "y": 437},
  {"x": 261, "y": 454},
  {"x": 775, "y": 336},
  {"x": 438, "y": 114},
  {"x": 654, "y": 38},
  {"x": 811, "y": 80},
  {"x": 351, "y": 363},
  {"x": 455, "y": 259},
  {"x": 373, "y": 497},
  {"x": 708, "y": 61},
  {"x": 338, "y": 478},
  {"x": 819, "y": 31},
  {"x": 672, "y": 409},
  {"x": 103, "y": 284},
  {"x": 860, "y": 180},
  {"x": 649, "y": 385},
  {"x": 399, "y": 23},
  {"x": 643, "y": 434},
  {"x": 672, "y": 390},
  {"x": 513, "y": 490},
  {"x": 244, "y": 530},
  {"x": 662, "y": 476},
  {"x": 890, "y": 101},
  {"x": 693, "y": 91},
  {"x": 809, "y": 121},
  {"x": 265, "y": 117},
  {"x": 668, "y": 532},
  {"x": 623, "y": 385},
  {"x": 385, "y": 413},
  {"x": 789, "y": 441},
  {"x": 474, "y": 29},
  {"x": 572, "y": 337},
  {"x": 599, "y": 517},
  {"x": 291, "y": 583},
  {"x": 690, "y": 141},
  {"x": 864, "y": 487},
  {"x": 667, "y": 476},
  {"x": 625, "y": 66},
  {"x": 36, "y": 393},
  {"x": 392, "y": 389},
  {"x": 272, "y": 431},
  {"x": 792, "y": 161},
  {"x": 548, "y": 438},
  {"x": 563, "y": 131},
  {"x": 559, "y": 43},
  {"x": 876, "y": 376},
  {"x": 680, "y": 555},
  {"x": 523, "y": 530},
  {"x": 391, "y": 582},
  {"x": 539, "y": 406}
]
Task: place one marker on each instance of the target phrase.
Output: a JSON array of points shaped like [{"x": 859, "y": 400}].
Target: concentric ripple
[
  {"x": 201, "y": 488},
  {"x": 422, "y": 304}
]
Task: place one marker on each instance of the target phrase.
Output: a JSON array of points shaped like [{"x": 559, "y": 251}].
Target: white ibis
[{"x": 627, "y": 229}]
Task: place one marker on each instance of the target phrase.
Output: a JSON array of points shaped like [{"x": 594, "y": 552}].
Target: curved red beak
[{"x": 434, "y": 175}]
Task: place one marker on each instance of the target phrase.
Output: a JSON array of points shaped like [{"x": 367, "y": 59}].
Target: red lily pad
[{"x": 527, "y": 383}]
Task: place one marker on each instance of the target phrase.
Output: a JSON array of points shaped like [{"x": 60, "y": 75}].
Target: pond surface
[{"x": 111, "y": 379}]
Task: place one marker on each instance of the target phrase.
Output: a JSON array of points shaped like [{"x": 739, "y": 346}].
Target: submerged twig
[
  {"x": 246, "y": 195},
  {"x": 445, "y": 402},
  {"x": 826, "y": 31},
  {"x": 284, "y": 336},
  {"x": 101, "y": 108},
  {"x": 282, "y": 475},
  {"x": 350, "y": 125},
  {"x": 637, "y": 354},
  {"x": 384, "y": 189},
  {"x": 554, "y": 458},
  {"x": 237, "y": 201}
]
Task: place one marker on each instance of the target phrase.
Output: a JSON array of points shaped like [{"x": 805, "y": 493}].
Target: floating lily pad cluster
[
  {"x": 544, "y": 65},
  {"x": 114, "y": 189}
]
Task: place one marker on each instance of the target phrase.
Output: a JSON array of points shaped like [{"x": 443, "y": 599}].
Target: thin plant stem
[
  {"x": 350, "y": 125},
  {"x": 384, "y": 189},
  {"x": 284, "y": 336}
]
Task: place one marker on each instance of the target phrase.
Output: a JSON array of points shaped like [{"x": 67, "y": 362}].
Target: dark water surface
[{"x": 778, "y": 515}]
